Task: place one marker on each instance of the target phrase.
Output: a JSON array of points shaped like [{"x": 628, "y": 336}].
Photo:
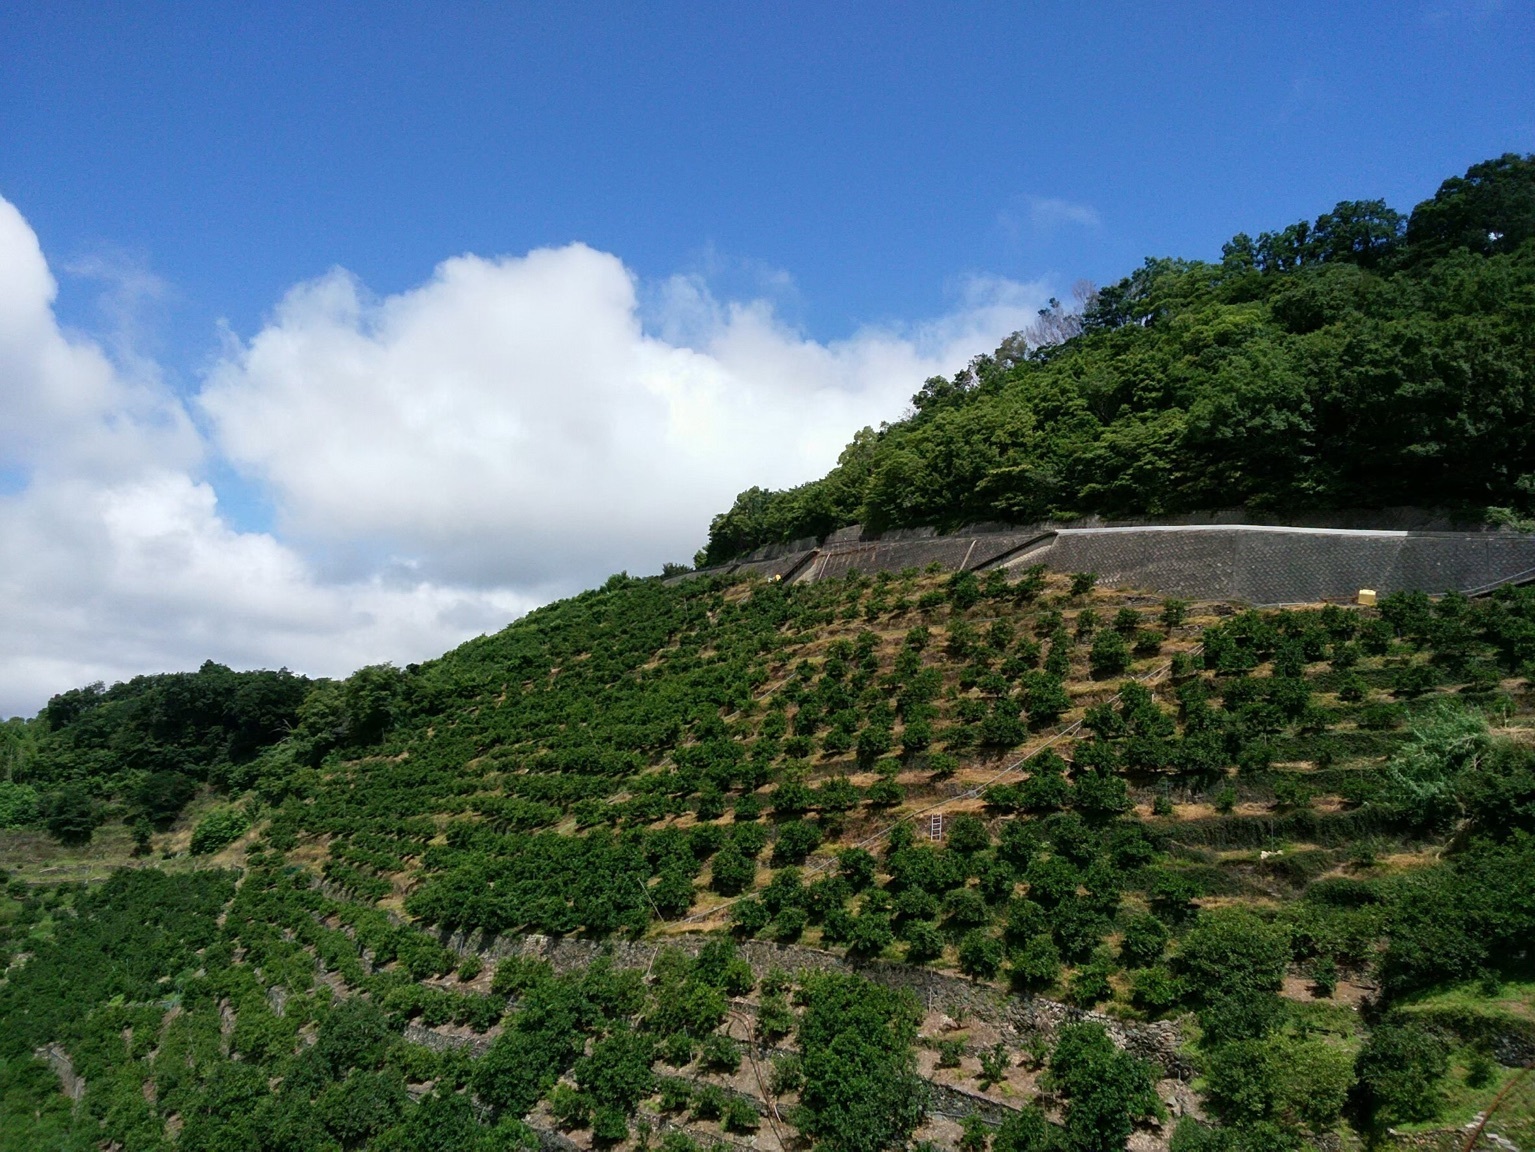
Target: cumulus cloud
[
  {"x": 513, "y": 421},
  {"x": 114, "y": 559},
  {"x": 68, "y": 410},
  {"x": 105, "y": 581},
  {"x": 440, "y": 460}
]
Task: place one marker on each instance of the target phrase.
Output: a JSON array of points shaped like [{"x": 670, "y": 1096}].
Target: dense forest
[
  {"x": 148, "y": 743},
  {"x": 1366, "y": 359},
  {"x": 972, "y": 862}
]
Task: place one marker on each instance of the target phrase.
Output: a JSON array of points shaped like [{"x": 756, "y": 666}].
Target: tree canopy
[{"x": 1360, "y": 360}]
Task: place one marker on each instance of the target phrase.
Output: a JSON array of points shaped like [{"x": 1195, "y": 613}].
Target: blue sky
[
  {"x": 871, "y": 153},
  {"x": 376, "y": 324}
]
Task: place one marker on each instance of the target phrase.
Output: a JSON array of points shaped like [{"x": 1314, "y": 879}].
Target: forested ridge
[
  {"x": 1365, "y": 359},
  {"x": 1230, "y": 880}
]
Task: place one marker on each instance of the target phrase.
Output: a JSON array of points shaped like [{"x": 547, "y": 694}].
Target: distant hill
[{"x": 1364, "y": 359}]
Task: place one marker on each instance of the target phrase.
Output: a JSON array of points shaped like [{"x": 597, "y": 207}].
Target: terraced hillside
[{"x": 1016, "y": 862}]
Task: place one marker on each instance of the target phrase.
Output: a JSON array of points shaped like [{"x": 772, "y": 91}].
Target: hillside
[
  {"x": 1249, "y": 825},
  {"x": 1362, "y": 360},
  {"x": 1000, "y": 861}
]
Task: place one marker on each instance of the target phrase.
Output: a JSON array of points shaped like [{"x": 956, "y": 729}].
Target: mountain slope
[
  {"x": 1361, "y": 361},
  {"x": 498, "y": 900},
  {"x": 1238, "y": 822}
]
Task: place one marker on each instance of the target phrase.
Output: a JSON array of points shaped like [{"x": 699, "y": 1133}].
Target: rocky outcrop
[{"x": 64, "y": 1068}]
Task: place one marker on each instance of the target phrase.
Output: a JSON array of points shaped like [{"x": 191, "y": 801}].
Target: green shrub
[
  {"x": 787, "y": 1075},
  {"x": 1352, "y": 688},
  {"x": 218, "y": 829},
  {"x": 1155, "y": 989},
  {"x": 974, "y": 1134},
  {"x": 1324, "y": 976},
  {"x": 731, "y": 872},
  {"x": 18, "y": 804},
  {"x": 570, "y": 1109},
  {"x": 1280, "y": 1081},
  {"x": 796, "y": 840},
  {"x": 1414, "y": 680},
  {"x": 1381, "y": 717},
  {"x": 609, "y": 1125},
  {"x": 1106, "y": 1089},
  {"x": 1400, "y": 1069},
  {"x": 980, "y": 954},
  {"x": 1375, "y": 637},
  {"x": 1045, "y": 699},
  {"x": 739, "y": 1117},
  {"x": 749, "y": 916},
  {"x": 516, "y": 974},
  {"x": 1109, "y": 655},
  {"x": 1421, "y": 778},
  {"x": 1143, "y": 941},
  {"x": 1090, "y": 985},
  {"x": 749, "y": 807},
  {"x": 924, "y": 941},
  {"x": 1037, "y": 965},
  {"x": 861, "y": 1091},
  {"x": 677, "y": 1050},
  {"x": 774, "y": 1019},
  {"x": 964, "y": 590},
  {"x": 70, "y": 814},
  {"x": 1480, "y": 1069},
  {"x": 790, "y": 924},
  {"x": 720, "y": 1053}
]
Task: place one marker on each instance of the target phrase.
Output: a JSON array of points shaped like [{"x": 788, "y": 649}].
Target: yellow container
[{"x": 1366, "y": 598}]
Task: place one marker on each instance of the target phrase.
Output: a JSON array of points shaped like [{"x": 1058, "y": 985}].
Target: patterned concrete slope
[
  {"x": 1260, "y": 564},
  {"x": 1263, "y": 564}
]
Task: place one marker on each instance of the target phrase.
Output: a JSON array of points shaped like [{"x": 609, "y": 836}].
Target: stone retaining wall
[
  {"x": 1018, "y": 1019},
  {"x": 440, "y": 1041},
  {"x": 957, "y": 1104}
]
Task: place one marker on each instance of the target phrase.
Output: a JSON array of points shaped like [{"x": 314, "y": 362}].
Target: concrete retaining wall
[{"x": 1257, "y": 563}]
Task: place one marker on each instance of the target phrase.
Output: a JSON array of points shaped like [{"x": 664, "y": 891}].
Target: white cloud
[
  {"x": 1048, "y": 213},
  {"x": 440, "y": 460},
  {"x": 68, "y": 410},
  {"x": 511, "y": 421},
  {"x": 113, "y": 558},
  {"x": 104, "y": 581}
]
